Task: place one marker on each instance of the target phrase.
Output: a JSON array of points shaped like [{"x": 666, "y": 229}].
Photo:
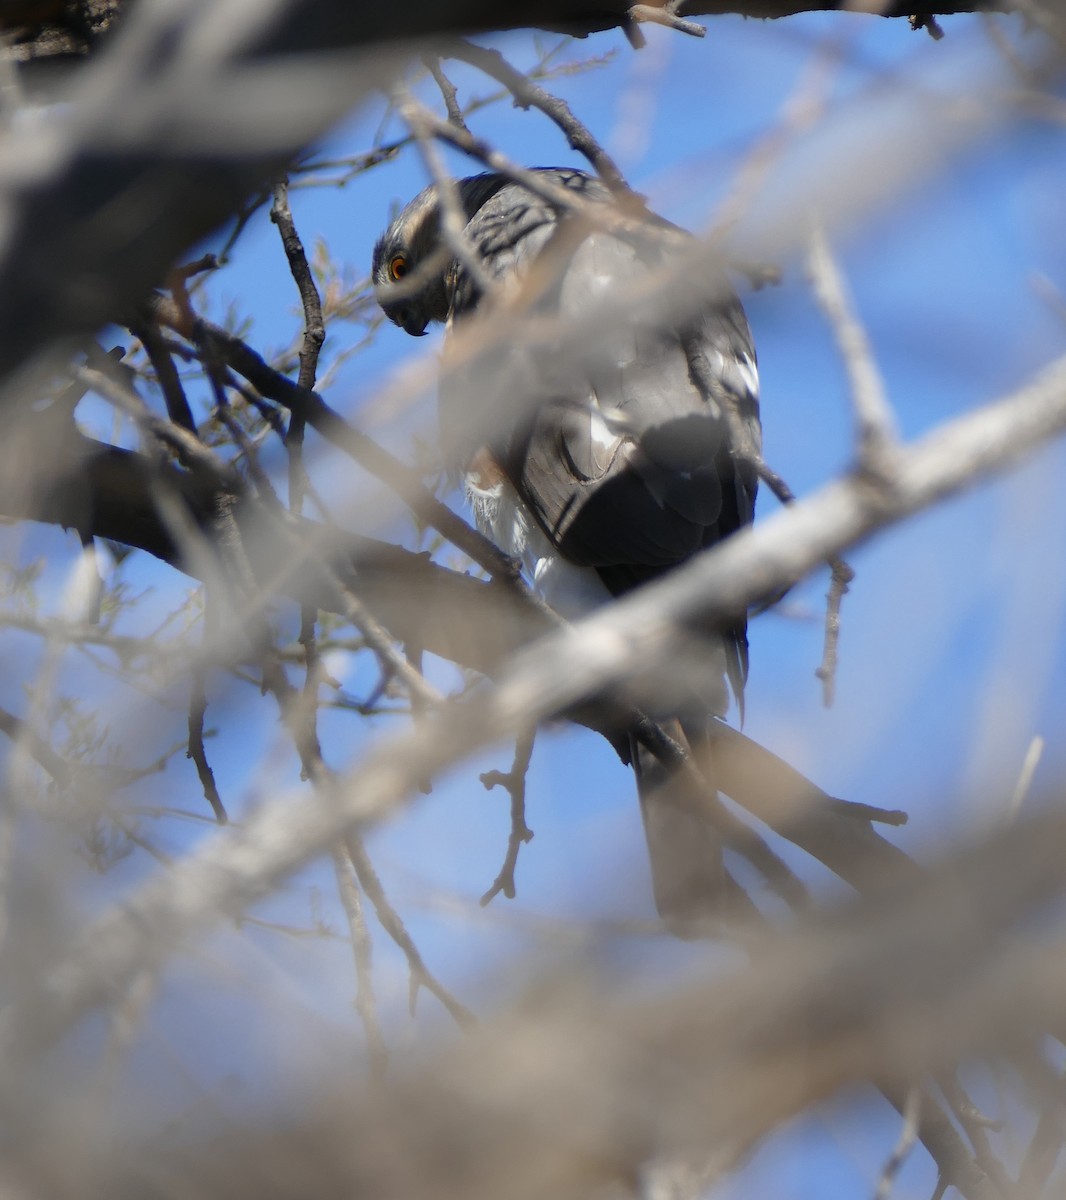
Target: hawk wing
[{"x": 631, "y": 471}]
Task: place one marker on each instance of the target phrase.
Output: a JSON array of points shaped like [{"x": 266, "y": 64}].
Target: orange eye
[{"x": 398, "y": 266}]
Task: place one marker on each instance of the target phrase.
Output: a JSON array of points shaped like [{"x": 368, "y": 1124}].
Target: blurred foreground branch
[{"x": 574, "y": 1088}]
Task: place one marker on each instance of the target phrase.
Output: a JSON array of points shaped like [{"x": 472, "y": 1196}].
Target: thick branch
[{"x": 109, "y": 492}]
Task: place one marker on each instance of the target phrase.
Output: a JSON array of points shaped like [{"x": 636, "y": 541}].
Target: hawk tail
[{"x": 689, "y": 880}]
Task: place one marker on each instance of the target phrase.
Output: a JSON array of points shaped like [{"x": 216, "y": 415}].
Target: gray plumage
[{"x": 601, "y": 465}]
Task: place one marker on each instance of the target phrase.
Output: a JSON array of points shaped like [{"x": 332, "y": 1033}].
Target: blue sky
[{"x": 952, "y": 651}]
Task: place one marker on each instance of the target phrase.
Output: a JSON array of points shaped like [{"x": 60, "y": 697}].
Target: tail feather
[{"x": 689, "y": 880}]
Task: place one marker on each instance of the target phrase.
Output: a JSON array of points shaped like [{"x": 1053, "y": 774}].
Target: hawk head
[
  {"x": 409, "y": 267},
  {"x": 413, "y": 266}
]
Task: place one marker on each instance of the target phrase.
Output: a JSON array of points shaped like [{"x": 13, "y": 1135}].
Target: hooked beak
[
  {"x": 410, "y": 323},
  {"x": 400, "y": 313}
]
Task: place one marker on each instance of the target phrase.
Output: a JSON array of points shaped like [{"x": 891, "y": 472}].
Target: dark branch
[{"x": 515, "y": 783}]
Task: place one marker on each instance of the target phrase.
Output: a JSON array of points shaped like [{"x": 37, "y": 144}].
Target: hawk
[{"x": 594, "y": 451}]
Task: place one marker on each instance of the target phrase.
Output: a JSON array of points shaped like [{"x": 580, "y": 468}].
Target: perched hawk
[{"x": 592, "y": 449}]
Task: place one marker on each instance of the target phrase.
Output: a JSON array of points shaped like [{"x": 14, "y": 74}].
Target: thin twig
[
  {"x": 419, "y": 708},
  {"x": 515, "y": 783},
  {"x": 243, "y": 217},
  {"x": 196, "y": 750},
  {"x": 1025, "y": 776},
  {"x": 447, "y": 90},
  {"x": 354, "y": 165},
  {"x": 66, "y": 773},
  {"x": 380, "y": 641},
  {"x": 216, "y": 374},
  {"x": 933, "y": 1127},
  {"x": 976, "y": 1126},
  {"x": 362, "y": 947},
  {"x": 314, "y": 329},
  {"x": 614, "y": 217},
  {"x": 310, "y": 348},
  {"x": 127, "y": 649},
  {"x": 527, "y": 94},
  {"x": 908, "y": 1135},
  {"x": 453, "y": 215},
  {"x": 188, "y": 447},
  {"x": 159, "y": 356},
  {"x": 197, "y": 266},
  {"x": 391, "y": 922},
  {"x": 373, "y": 632},
  {"x": 305, "y": 737},
  {"x": 841, "y": 575},
  {"x": 878, "y": 440}
]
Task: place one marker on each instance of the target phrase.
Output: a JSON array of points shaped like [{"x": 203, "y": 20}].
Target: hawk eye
[{"x": 398, "y": 266}]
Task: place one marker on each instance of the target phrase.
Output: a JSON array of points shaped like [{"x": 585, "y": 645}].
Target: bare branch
[
  {"x": 515, "y": 783},
  {"x": 453, "y": 217},
  {"x": 365, "y": 1003},
  {"x": 196, "y": 750},
  {"x": 150, "y": 336},
  {"x": 529, "y": 95},
  {"x": 908, "y": 1134},
  {"x": 314, "y": 329},
  {"x": 840, "y": 577},
  {"x": 665, "y": 15},
  {"x": 875, "y": 422},
  {"x": 976, "y": 1127},
  {"x": 391, "y": 922},
  {"x": 447, "y": 90}
]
